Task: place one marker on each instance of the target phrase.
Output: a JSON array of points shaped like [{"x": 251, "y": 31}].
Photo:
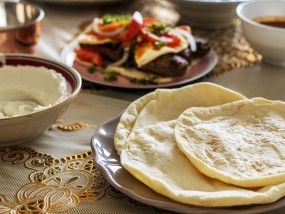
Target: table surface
[{"x": 58, "y": 156}]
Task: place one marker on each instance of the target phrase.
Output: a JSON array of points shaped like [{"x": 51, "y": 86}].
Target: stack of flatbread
[{"x": 205, "y": 145}]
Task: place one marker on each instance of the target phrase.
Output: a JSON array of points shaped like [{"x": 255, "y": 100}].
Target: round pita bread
[
  {"x": 167, "y": 104},
  {"x": 241, "y": 143},
  {"x": 153, "y": 157}
]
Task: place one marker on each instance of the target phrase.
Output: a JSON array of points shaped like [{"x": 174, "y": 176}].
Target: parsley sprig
[{"x": 108, "y": 18}]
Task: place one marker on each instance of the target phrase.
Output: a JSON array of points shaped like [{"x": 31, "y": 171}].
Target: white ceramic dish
[
  {"x": 267, "y": 40},
  {"x": 208, "y": 14},
  {"x": 107, "y": 160},
  {"x": 203, "y": 66},
  {"x": 20, "y": 129}
]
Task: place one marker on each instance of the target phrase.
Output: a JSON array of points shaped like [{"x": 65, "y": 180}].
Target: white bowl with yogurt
[{"x": 34, "y": 93}]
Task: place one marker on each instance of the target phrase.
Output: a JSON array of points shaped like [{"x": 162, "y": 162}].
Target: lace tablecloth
[{"x": 55, "y": 173}]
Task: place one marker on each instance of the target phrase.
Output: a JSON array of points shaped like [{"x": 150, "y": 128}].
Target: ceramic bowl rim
[{"x": 241, "y": 6}]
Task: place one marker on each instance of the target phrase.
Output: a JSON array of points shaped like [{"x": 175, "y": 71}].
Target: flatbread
[
  {"x": 153, "y": 157},
  {"x": 241, "y": 143},
  {"x": 167, "y": 104}
]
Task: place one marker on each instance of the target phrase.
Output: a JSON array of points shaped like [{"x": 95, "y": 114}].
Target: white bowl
[
  {"x": 207, "y": 14},
  {"x": 268, "y": 41},
  {"x": 21, "y": 128}
]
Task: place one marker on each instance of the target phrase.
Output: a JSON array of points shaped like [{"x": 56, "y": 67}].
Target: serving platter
[
  {"x": 107, "y": 160},
  {"x": 199, "y": 68}
]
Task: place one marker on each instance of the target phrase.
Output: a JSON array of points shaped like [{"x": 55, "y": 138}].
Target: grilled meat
[
  {"x": 169, "y": 65},
  {"x": 203, "y": 48}
]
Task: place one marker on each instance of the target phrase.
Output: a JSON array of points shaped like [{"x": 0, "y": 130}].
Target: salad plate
[
  {"x": 107, "y": 160},
  {"x": 199, "y": 68}
]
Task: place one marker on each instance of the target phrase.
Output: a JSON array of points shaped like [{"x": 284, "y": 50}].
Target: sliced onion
[
  {"x": 123, "y": 59},
  {"x": 137, "y": 16},
  {"x": 96, "y": 22},
  {"x": 189, "y": 38}
]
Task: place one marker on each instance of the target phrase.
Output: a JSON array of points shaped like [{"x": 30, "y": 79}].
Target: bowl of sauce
[
  {"x": 34, "y": 93},
  {"x": 273, "y": 21},
  {"x": 263, "y": 26}
]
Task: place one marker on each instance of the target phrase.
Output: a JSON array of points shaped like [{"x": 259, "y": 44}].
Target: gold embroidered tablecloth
[{"x": 55, "y": 172}]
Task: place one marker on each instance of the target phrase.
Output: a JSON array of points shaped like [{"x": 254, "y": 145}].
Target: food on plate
[
  {"x": 153, "y": 157},
  {"x": 241, "y": 143},
  {"x": 143, "y": 49},
  {"x": 26, "y": 89},
  {"x": 205, "y": 145},
  {"x": 167, "y": 104}
]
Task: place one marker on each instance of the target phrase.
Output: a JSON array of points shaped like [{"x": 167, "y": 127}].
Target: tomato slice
[
  {"x": 89, "y": 55},
  {"x": 147, "y": 21},
  {"x": 173, "y": 40},
  {"x": 133, "y": 29}
]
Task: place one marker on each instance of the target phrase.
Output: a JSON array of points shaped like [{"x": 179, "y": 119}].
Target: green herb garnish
[
  {"x": 133, "y": 80},
  {"x": 91, "y": 69},
  {"x": 111, "y": 76},
  {"x": 160, "y": 44},
  {"x": 108, "y": 18},
  {"x": 106, "y": 63},
  {"x": 159, "y": 28},
  {"x": 145, "y": 81}
]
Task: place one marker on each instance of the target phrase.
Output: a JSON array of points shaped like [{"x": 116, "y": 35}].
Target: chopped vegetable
[
  {"x": 159, "y": 29},
  {"x": 133, "y": 30},
  {"x": 89, "y": 55},
  {"x": 110, "y": 76},
  {"x": 108, "y": 18},
  {"x": 91, "y": 69}
]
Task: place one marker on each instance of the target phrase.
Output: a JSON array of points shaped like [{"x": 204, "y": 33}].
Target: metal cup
[{"x": 20, "y": 23}]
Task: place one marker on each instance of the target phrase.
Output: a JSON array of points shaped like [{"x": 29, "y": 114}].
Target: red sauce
[{"x": 273, "y": 21}]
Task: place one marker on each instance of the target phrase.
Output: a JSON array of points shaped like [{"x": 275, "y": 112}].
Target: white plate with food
[
  {"x": 138, "y": 52},
  {"x": 108, "y": 161}
]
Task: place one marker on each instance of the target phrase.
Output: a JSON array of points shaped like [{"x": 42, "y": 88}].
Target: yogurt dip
[{"x": 26, "y": 89}]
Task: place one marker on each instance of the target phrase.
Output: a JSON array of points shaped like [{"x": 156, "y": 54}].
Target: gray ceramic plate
[{"x": 107, "y": 160}]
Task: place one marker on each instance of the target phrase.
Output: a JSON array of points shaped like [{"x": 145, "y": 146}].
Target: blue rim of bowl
[{"x": 248, "y": 20}]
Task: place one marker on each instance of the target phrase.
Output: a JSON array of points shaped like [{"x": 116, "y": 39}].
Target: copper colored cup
[
  {"x": 28, "y": 35},
  {"x": 20, "y": 25}
]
